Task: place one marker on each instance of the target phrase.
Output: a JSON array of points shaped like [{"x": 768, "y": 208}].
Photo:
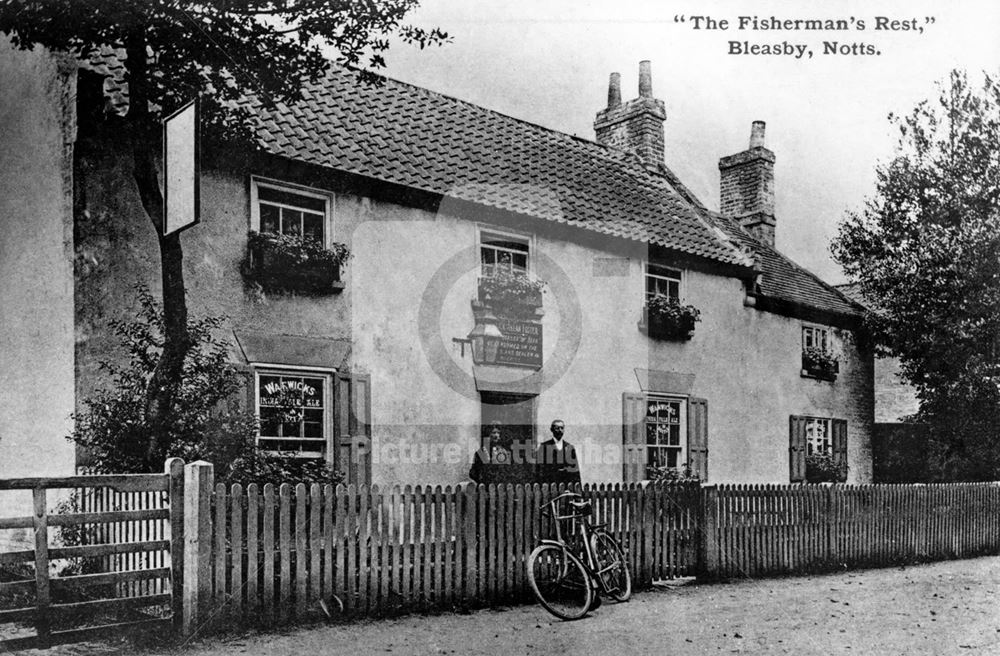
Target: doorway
[{"x": 516, "y": 414}]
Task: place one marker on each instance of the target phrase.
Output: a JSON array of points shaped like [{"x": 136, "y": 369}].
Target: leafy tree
[
  {"x": 925, "y": 251},
  {"x": 206, "y": 421},
  {"x": 227, "y": 50}
]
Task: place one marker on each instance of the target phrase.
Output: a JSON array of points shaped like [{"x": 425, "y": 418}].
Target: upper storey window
[
  {"x": 291, "y": 212},
  {"x": 663, "y": 280},
  {"x": 503, "y": 253}
]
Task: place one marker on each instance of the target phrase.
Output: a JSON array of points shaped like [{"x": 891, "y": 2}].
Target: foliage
[
  {"x": 511, "y": 289},
  {"x": 819, "y": 360},
  {"x": 230, "y": 54},
  {"x": 284, "y": 262},
  {"x": 822, "y": 468},
  {"x": 667, "y": 317},
  {"x": 226, "y": 51},
  {"x": 672, "y": 474},
  {"x": 661, "y": 307},
  {"x": 205, "y": 422},
  {"x": 295, "y": 251},
  {"x": 925, "y": 251}
]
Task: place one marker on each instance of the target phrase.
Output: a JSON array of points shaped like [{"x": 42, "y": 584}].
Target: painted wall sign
[{"x": 521, "y": 345}]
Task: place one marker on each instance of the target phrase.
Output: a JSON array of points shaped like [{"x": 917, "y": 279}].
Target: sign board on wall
[
  {"x": 181, "y": 169},
  {"x": 521, "y": 345}
]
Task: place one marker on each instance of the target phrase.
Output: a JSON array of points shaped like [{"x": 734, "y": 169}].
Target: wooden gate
[{"x": 106, "y": 556}]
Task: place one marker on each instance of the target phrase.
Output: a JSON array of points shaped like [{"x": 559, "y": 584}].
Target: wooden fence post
[
  {"x": 646, "y": 495},
  {"x": 40, "y": 521},
  {"x": 832, "y": 527},
  {"x": 471, "y": 573},
  {"x": 174, "y": 468},
  {"x": 198, "y": 479},
  {"x": 709, "y": 538}
]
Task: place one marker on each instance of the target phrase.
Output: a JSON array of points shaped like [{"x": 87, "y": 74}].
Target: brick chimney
[
  {"x": 637, "y": 125},
  {"x": 746, "y": 187}
]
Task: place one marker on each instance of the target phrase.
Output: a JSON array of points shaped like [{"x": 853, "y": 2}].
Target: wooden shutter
[
  {"x": 247, "y": 401},
  {"x": 797, "y": 449},
  {"x": 633, "y": 437},
  {"x": 840, "y": 447},
  {"x": 698, "y": 437},
  {"x": 352, "y": 432}
]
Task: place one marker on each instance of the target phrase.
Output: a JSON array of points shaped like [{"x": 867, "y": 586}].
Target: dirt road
[{"x": 939, "y": 609}]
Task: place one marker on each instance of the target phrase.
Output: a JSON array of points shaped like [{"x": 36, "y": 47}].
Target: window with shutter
[
  {"x": 295, "y": 412},
  {"x": 663, "y": 432},
  {"x": 797, "y": 449},
  {"x": 817, "y": 449}
]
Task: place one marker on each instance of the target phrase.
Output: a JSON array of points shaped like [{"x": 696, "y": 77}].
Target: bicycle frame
[{"x": 586, "y": 533}]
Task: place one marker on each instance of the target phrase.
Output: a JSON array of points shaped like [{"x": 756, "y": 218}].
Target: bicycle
[{"x": 566, "y": 584}]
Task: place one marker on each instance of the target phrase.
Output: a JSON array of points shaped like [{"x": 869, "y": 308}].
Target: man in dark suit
[{"x": 556, "y": 459}]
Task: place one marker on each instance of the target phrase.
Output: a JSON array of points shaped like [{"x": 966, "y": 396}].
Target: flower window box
[
  {"x": 511, "y": 293},
  {"x": 288, "y": 263},
  {"x": 664, "y": 317},
  {"x": 819, "y": 363}
]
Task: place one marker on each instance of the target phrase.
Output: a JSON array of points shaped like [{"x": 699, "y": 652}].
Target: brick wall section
[
  {"x": 858, "y": 381},
  {"x": 636, "y": 126},
  {"x": 746, "y": 191}
]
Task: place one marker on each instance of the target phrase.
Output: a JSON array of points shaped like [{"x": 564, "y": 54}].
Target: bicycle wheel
[
  {"x": 612, "y": 569},
  {"x": 560, "y": 581}
]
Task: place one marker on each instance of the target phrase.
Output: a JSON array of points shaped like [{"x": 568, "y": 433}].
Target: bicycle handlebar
[{"x": 577, "y": 502}]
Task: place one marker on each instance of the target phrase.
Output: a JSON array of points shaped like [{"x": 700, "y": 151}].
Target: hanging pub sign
[
  {"x": 521, "y": 345},
  {"x": 181, "y": 169}
]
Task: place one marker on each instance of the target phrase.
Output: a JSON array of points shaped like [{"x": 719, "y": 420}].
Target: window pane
[
  {"x": 501, "y": 241},
  {"x": 291, "y": 222},
  {"x": 269, "y": 422},
  {"x": 651, "y": 434},
  {"x": 313, "y": 424},
  {"x": 671, "y": 455},
  {"x": 291, "y": 198},
  {"x": 312, "y": 393},
  {"x": 270, "y": 391},
  {"x": 312, "y": 226},
  {"x": 269, "y": 218},
  {"x": 520, "y": 262}
]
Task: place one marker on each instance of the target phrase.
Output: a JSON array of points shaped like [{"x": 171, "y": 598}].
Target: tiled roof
[
  {"x": 420, "y": 139},
  {"x": 417, "y": 138},
  {"x": 413, "y": 137},
  {"x": 785, "y": 280},
  {"x": 852, "y": 291}
]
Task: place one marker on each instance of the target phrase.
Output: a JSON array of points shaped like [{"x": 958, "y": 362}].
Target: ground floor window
[
  {"x": 666, "y": 432},
  {"x": 819, "y": 438},
  {"x": 295, "y": 411},
  {"x": 817, "y": 449},
  {"x": 662, "y": 431}
]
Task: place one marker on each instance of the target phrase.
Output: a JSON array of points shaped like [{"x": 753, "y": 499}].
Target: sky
[{"x": 548, "y": 62}]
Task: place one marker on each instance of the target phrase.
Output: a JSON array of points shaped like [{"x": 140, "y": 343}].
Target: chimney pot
[
  {"x": 746, "y": 189},
  {"x": 645, "y": 80},
  {"x": 615, "y": 91},
  {"x": 635, "y": 125}
]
